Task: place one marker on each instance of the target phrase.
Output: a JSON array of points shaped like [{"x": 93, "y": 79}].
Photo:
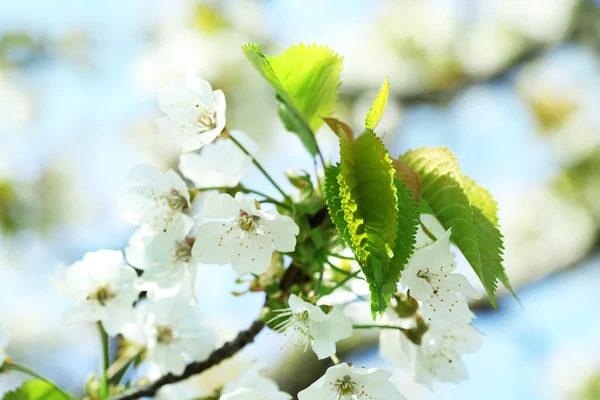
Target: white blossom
[
  {"x": 220, "y": 163},
  {"x": 342, "y": 382},
  {"x": 255, "y": 394},
  {"x": 155, "y": 198},
  {"x": 165, "y": 258},
  {"x": 194, "y": 114},
  {"x": 306, "y": 324},
  {"x": 237, "y": 231},
  {"x": 4, "y": 340},
  {"x": 250, "y": 385},
  {"x": 393, "y": 343},
  {"x": 101, "y": 287},
  {"x": 172, "y": 331},
  {"x": 428, "y": 275},
  {"x": 439, "y": 356}
]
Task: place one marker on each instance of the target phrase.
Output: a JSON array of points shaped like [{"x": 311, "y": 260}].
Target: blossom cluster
[
  {"x": 147, "y": 293},
  {"x": 430, "y": 278}
]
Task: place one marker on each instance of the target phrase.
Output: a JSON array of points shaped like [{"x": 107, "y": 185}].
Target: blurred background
[{"x": 512, "y": 87}]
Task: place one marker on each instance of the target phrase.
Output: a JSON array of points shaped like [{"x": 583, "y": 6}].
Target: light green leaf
[
  {"x": 376, "y": 111},
  {"x": 442, "y": 189},
  {"x": 408, "y": 215},
  {"x": 36, "y": 389},
  {"x": 306, "y": 79},
  {"x": 485, "y": 217},
  {"x": 368, "y": 199}
]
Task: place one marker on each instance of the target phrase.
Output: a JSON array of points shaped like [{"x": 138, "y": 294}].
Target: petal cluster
[
  {"x": 236, "y": 231},
  {"x": 101, "y": 289},
  {"x": 155, "y": 198},
  {"x": 219, "y": 164},
  {"x": 307, "y": 324},
  {"x": 194, "y": 113},
  {"x": 429, "y": 276},
  {"x": 250, "y": 385},
  {"x": 172, "y": 331},
  {"x": 343, "y": 382}
]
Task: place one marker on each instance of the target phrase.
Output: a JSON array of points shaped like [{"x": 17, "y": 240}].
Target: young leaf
[
  {"x": 36, "y": 389},
  {"x": 306, "y": 79},
  {"x": 376, "y": 111},
  {"x": 339, "y": 128},
  {"x": 441, "y": 188},
  {"x": 368, "y": 199}
]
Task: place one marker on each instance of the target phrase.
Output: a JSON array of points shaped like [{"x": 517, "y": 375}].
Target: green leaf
[
  {"x": 36, "y": 389},
  {"x": 491, "y": 246},
  {"x": 306, "y": 79},
  {"x": 368, "y": 199},
  {"x": 441, "y": 187},
  {"x": 376, "y": 111},
  {"x": 334, "y": 202},
  {"x": 408, "y": 215}
]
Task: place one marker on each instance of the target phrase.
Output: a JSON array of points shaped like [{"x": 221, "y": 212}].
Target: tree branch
[{"x": 228, "y": 350}]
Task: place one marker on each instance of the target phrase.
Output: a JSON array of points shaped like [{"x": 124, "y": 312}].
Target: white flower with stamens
[
  {"x": 219, "y": 164},
  {"x": 194, "y": 113},
  {"x": 429, "y": 277},
  {"x": 4, "y": 340},
  {"x": 173, "y": 333},
  {"x": 343, "y": 382},
  {"x": 237, "y": 231},
  {"x": 155, "y": 198},
  {"x": 165, "y": 258},
  {"x": 101, "y": 286},
  {"x": 306, "y": 324},
  {"x": 440, "y": 352},
  {"x": 250, "y": 385}
]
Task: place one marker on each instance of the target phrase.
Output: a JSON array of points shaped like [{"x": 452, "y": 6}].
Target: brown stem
[{"x": 228, "y": 350}]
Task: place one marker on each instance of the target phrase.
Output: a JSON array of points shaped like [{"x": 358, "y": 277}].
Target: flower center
[
  {"x": 176, "y": 200},
  {"x": 164, "y": 334},
  {"x": 207, "y": 120},
  {"x": 183, "y": 252},
  {"x": 345, "y": 386},
  {"x": 102, "y": 295},
  {"x": 247, "y": 222}
]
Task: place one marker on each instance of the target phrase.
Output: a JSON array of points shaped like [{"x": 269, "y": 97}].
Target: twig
[{"x": 228, "y": 350}]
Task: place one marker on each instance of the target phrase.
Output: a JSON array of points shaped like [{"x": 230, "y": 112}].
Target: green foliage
[
  {"x": 485, "y": 218},
  {"x": 36, "y": 389},
  {"x": 334, "y": 202},
  {"x": 467, "y": 208},
  {"x": 376, "y": 111},
  {"x": 375, "y": 213},
  {"x": 368, "y": 199},
  {"x": 406, "y": 230},
  {"x": 306, "y": 79}
]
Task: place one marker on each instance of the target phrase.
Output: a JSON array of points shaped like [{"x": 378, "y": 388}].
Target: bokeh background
[{"x": 511, "y": 86}]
